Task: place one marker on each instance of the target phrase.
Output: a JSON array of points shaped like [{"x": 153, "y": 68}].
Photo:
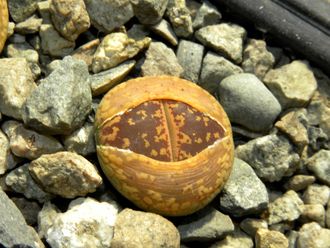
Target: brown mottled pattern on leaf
[{"x": 3, "y": 23}]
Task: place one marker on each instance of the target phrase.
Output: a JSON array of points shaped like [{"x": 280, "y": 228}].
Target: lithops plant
[
  {"x": 3, "y": 23},
  {"x": 164, "y": 143}
]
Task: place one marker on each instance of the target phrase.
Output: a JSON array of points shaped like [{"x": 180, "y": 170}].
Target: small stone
[
  {"x": 293, "y": 84},
  {"x": 237, "y": 239},
  {"x": 53, "y": 43},
  {"x": 244, "y": 193},
  {"x": 87, "y": 223},
  {"x": 225, "y": 39},
  {"x": 272, "y": 157},
  {"x": 43, "y": 9},
  {"x": 164, "y": 29},
  {"x": 105, "y": 80},
  {"x": 21, "y": 181},
  {"x": 256, "y": 58},
  {"x": 66, "y": 174},
  {"x": 250, "y": 226},
  {"x": 207, "y": 15},
  {"x": 29, "y": 26},
  {"x": 86, "y": 52},
  {"x": 138, "y": 32},
  {"x": 286, "y": 208},
  {"x": 266, "y": 239},
  {"x": 116, "y": 48},
  {"x": 179, "y": 16},
  {"x": 206, "y": 225},
  {"x": 215, "y": 68},
  {"x": 299, "y": 182},
  {"x": 193, "y": 7},
  {"x": 292, "y": 237},
  {"x": 21, "y": 10},
  {"x": 190, "y": 57},
  {"x": 313, "y": 213},
  {"x": 62, "y": 100},
  {"x": 7, "y": 159},
  {"x": 13, "y": 228},
  {"x": 161, "y": 60},
  {"x": 29, "y": 209},
  {"x": 98, "y": 10},
  {"x": 312, "y": 235},
  {"x": 70, "y": 17},
  {"x": 244, "y": 97},
  {"x": 81, "y": 141},
  {"x": 149, "y": 12},
  {"x": 294, "y": 124},
  {"x": 319, "y": 164},
  {"x": 46, "y": 218},
  {"x": 15, "y": 86},
  {"x": 316, "y": 194},
  {"x": 318, "y": 139},
  {"x": 140, "y": 229},
  {"x": 27, "y": 143}
]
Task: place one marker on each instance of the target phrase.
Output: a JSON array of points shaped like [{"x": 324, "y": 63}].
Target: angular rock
[
  {"x": 62, "y": 101},
  {"x": 29, "y": 26},
  {"x": 316, "y": 194},
  {"x": 244, "y": 193},
  {"x": 14, "y": 232},
  {"x": 237, "y": 239},
  {"x": 318, "y": 139},
  {"x": 164, "y": 29},
  {"x": 257, "y": 59},
  {"x": 299, "y": 182},
  {"x": 21, "y": 10},
  {"x": 66, "y": 174},
  {"x": 190, "y": 56},
  {"x": 267, "y": 238},
  {"x": 87, "y": 223},
  {"x": 271, "y": 156},
  {"x": 70, "y": 17},
  {"x": 226, "y": 39},
  {"x": 293, "y": 84},
  {"x": 103, "y": 81},
  {"x": 215, "y": 68},
  {"x": 15, "y": 86},
  {"x": 244, "y": 97},
  {"x": 319, "y": 164},
  {"x": 29, "y": 209},
  {"x": 116, "y": 48},
  {"x": 312, "y": 235},
  {"x": 27, "y": 143},
  {"x": 21, "y": 181},
  {"x": 161, "y": 60},
  {"x": 86, "y": 52},
  {"x": 140, "y": 229},
  {"x": 250, "y": 226},
  {"x": 46, "y": 218},
  {"x": 286, "y": 208},
  {"x": 206, "y": 15},
  {"x": 208, "y": 225},
  {"x": 43, "y": 9},
  {"x": 7, "y": 159},
  {"x": 149, "y": 12},
  {"x": 53, "y": 44},
  {"x": 313, "y": 213},
  {"x": 99, "y": 10}
]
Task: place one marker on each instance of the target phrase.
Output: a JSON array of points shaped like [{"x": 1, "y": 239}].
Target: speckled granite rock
[
  {"x": 316, "y": 194},
  {"x": 319, "y": 164},
  {"x": 206, "y": 15},
  {"x": 21, "y": 10}
]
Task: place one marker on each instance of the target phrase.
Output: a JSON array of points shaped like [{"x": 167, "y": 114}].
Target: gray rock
[
  {"x": 271, "y": 156},
  {"x": 81, "y": 141},
  {"x": 62, "y": 101},
  {"x": 149, "y": 12},
  {"x": 21, "y": 181},
  {"x": 215, "y": 68},
  {"x": 27, "y": 143},
  {"x": 13, "y": 229},
  {"x": 312, "y": 235},
  {"x": 267, "y": 238},
  {"x": 190, "y": 56},
  {"x": 53, "y": 43},
  {"x": 256, "y": 59},
  {"x": 313, "y": 213},
  {"x": 293, "y": 84},
  {"x": 21, "y": 9},
  {"x": 292, "y": 237},
  {"x": 87, "y": 223},
  {"x": 244, "y": 193},
  {"x": 15, "y": 86},
  {"x": 66, "y": 174},
  {"x": 286, "y": 208},
  {"x": 318, "y": 139},
  {"x": 99, "y": 10},
  {"x": 250, "y": 226},
  {"x": 140, "y": 229},
  {"x": 206, "y": 15},
  {"x": 237, "y": 239},
  {"x": 86, "y": 52},
  {"x": 299, "y": 182},
  {"x": 316, "y": 194},
  {"x": 29, "y": 26},
  {"x": 164, "y": 29},
  {"x": 29, "y": 209},
  {"x": 319, "y": 164},
  {"x": 244, "y": 98},
  {"x": 43, "y": 9},
  {"x": 226, "y": 39},
  {"x": 161, "y": 60},
  {"x": 207, "y": 225},
  {"x": 138, "y": 32},
  {"x": 70, "y": 17}
]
